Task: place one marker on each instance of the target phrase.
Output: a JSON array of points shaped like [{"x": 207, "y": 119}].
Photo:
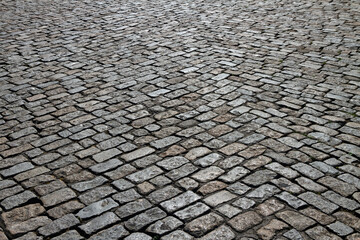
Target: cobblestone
[{"x": 179, "y": 119}]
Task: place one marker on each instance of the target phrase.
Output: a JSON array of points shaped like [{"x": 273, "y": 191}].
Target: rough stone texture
[
  {"x": 297, "y": 220},
  {"x": 245, "y": 220},
  {"x": 131, "y": 114},
  {"x": 164, "y": 225},
  {"x": 99, "y": 222},
  {"x": 219, "y": 197},
  {"x": 180, "y": 201},
  {"x": 144, "y": 219},
  {"x": 269, "y": 230},
  {"x": 58, "y": 225},
  {"x": 201, "y": 225},
  {"x": 222, "y": 232},
  {"x": 112, "y": 233},
  {"x": 97, "y": 208}
]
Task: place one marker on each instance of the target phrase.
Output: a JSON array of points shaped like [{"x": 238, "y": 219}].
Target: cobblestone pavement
[{"x": 201, "y": 119}]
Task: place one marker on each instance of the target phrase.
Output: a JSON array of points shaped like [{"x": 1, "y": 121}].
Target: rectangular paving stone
[
  {"x": 126, "y": 196},
  {"x": 208, "y": 160},
  {"x": 180, "y": 201},
  {"x": 100, "y": 222},
  {"x": 72, "y": 234},
  {"x": 31, "y": 173},
  {"x": 97, "y": 208},
  {"x": 17, "y": 200},
  {"x": 21, "y": 167},
  {"x": 57, "y": 197},
  {"x": 163, "y": 194},
  {"x": 204, "y": 224},
  {"x": 192, "y": 211},
  {"x": 9, "y": 162},
  {"x": 165, "y": 142},
  {"x": 208, "y": 174},
  {"x": 106, "y": 166},
  {"x": 181, "y": 172},
  {"x": 307, "y": 170},
  {"x": 172, "y": 162},
  {"x": 105, "y": 155},
  {"x": 245, "y": 221},
  {"x": 234, "y": 174},
  {"x": 145, "y": 174},
  {"x": 219, "y": 198},
  {"x": 343, "y": 188},
  {"x": 278, "y": 168},
  {"x": 139, "y": 221},
  {"x": 321, "y": 233},
  {"x": 58, "y": 225},
  {"x": 341, "y": 201},
  {"x": 86, "y": 185},
  {"x": 120, "y": 172},
  {"x": 164, "y": 225},
  {"x": 28, "y": 225},
  {"x": 139, "y": 153},
  {"x": 318, "y": 202},
  {"x": 132, "y": 208},
  {"x": 263, "y": 192},
  {"x": 112, "y": 233},
  {"x": 295, "y": 219},
  {"x": 291, "y": 200}
]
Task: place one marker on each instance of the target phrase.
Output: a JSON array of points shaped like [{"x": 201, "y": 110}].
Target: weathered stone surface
[
  {"x": 164, "y": 225},
  {"x": 268, "y": 231},
  {"x": 133, "y": 207},
  {"x": 340, "y": 228},
  {"x": 58, "y": 225},
  {"x": 72, "y": 234},
  {"x": 139, "y": 221},
  {"x": 222, "y": 232},
  {"x": 57, "y": 197},
  {"x": 177, "y": 235},
  {"x": 319, "y": 202},
  {"x": 65, "y": 208},
  {"x": 28, "y": 225},
  {"x": 126, "y": 196},
  {"x": 192, "y": 211},
  {"x": 219, "y": 197},
  {"x": 318, "y": 216},
  {"x": 338, "y": 186},
  {"x": 86, "y": 185},
  {"x": 263, "y": 192},
  {"x": 145, "y": 174},
  {"x": 179, "y": 109},
  {"x": 269, "y": 207},
  {"x": 137, "y": 154},
  {"x": 97, "y": 208},
  {"x": 99, "y": 222},
  {"x": 22, "y": 214},
  {"x": 208, "y": 174},
  {"x": 202, "y": 225},
  {"x": 259, "y": 177},
  {"x": 18, "y": 199},
  {"x": 138, "y": 236},
  {"x": 297, "y": 220},
  {"x": 197, "y": 152},
  {"x": 245, "y": 220},
  {"x": 321, "y": 233},
  {"x": 173, "y": 162},
  {"x": 112, "y": 233},
  {"x": 180, "y": 201}
]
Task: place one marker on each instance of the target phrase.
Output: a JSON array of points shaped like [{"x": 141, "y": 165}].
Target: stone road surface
[{"x": 179, "y": 119}]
